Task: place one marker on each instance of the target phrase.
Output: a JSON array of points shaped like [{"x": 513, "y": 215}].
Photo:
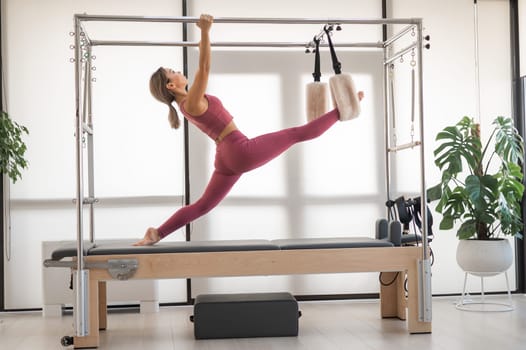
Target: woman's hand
[
  {"x": 150, "y": 237},
  {"x": 205, "y": 22},
  {"x": 360, "y": 95}
]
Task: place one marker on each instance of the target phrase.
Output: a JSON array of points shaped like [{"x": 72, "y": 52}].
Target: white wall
[
  {"x": 333, "y": 186},
  {"x": 450, "y": 94},
  {"x": 136, "y": 153}
]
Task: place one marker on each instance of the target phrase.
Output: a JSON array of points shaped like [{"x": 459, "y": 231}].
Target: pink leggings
[{"x": 235, "y": 155}]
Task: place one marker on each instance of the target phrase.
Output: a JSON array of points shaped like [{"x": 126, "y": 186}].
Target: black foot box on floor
[{"x": 245, "y": 315}]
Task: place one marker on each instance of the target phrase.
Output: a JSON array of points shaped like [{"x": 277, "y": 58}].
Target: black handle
[{"x": 317, "y": 71}]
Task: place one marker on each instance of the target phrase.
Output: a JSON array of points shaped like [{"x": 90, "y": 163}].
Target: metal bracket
[
  {"x": 121, "y": 269},
  {"x": 424, "y": 290}
]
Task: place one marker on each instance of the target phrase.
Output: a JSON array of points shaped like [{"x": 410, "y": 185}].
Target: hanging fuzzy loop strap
[{"x": 336, "y": 65}]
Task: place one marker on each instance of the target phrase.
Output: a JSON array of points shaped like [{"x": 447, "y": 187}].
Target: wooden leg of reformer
[
  {"x": 92, "y": 339},
  {"x": 103, "y": 313},
  {"x": 413, "y": 324},
  {"x": 392, "y": 295}
]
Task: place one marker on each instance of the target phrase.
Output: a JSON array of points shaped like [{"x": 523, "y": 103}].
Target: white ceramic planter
[{"x": 484, "y": 257}]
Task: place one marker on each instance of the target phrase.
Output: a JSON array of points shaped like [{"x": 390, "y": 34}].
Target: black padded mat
[
  {"x": 330, "y": 243},
  {"x": 68, "y": 249},
  {"x": 126, "y": 247}
]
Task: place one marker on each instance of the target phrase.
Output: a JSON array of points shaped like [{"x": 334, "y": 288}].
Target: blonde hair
[{"x": 158, "y": 90}]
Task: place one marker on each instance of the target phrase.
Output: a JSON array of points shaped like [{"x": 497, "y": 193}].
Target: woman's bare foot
[{"x": 150, "y": 237}]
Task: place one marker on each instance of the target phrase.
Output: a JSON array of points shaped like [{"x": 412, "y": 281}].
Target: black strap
[
  {"x": 317, "y": 71},
  {"x": 336, "y": 65},
  {"x": 391, "y": 212}
]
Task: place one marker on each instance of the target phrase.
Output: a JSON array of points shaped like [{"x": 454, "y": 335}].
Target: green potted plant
[
  {"x": 481, "y": 188},
  {"x": 12, "y": 147}
]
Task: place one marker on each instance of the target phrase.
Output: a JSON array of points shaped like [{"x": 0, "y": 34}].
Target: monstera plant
[
  {"x": 481, "y": 186},
  {"x": 12, "y": 147}
]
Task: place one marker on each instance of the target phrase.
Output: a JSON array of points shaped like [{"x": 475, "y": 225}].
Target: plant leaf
[
  {"x": 467, "y": 230},
  {"x": 509, "y": 145},
  {"x": 12, "y": 147},
  {"x": 434, "y": 193}
]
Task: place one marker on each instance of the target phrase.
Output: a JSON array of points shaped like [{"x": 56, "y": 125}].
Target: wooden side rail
[{"x": 390, "y": 260}]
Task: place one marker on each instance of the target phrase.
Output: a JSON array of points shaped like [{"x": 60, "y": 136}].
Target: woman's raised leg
[{"x": 252, "y": 153}]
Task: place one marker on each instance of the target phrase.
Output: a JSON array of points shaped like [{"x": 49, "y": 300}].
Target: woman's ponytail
[
  {"x": 173, "y": 117},
  {"x": 158, "y": 90}
]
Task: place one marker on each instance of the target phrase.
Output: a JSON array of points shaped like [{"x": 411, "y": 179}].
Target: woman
[{"x": 235, "y": 153}]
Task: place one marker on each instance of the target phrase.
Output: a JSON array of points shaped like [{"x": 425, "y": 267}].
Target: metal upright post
[
  {"x": 81, "y": 274},
  {"x": 425, "y": 273},
  {"x": 88, "y": 129},
  {"x": 387, "y": 115}
]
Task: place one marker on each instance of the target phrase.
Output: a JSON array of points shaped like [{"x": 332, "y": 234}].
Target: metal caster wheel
[{"x": 66, "y": 341}]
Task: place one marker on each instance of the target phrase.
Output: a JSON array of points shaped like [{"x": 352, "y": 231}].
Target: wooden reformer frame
[{"x": 395, "y": 263}]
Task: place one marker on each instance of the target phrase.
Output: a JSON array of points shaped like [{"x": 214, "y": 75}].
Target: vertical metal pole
[
  {"x": 186, "y": 149},
  {"x": 89, "y": 143},
  {"x": 81, "y": 275},
  {"x": 78, "y": 144},
  {"x": 425, "y": 277},
  {"x": 3, "y": 180},
  {"x": 387, "y": 116},
  {"x": 422, "y": 153},
  {"x": 518, "y": 95}
]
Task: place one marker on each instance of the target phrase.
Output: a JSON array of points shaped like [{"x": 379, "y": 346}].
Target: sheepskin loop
[
  {"x": 344, "y": 96},
  {"x": 317, "y": 101}
]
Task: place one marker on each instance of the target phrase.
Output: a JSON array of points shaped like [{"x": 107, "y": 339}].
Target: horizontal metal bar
[
  {"x": 121, "y": 269},
  {"x": 102, "y": 201},
  {"x": 400, "y": 53},
  {"x": 59, "y": 263},
  {"x": 404, "y": 146},
  {"x": 226, "y": 44},
  {"x": 248, "y": 20}
]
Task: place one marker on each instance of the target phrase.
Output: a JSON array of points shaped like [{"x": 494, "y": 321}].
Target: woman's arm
[{"x": 196, "y": 104}]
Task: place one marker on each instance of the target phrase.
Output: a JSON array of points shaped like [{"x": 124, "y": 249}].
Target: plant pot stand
[
  {"x": 484, "y": 258},
  {"x": 482, "y": 304}
]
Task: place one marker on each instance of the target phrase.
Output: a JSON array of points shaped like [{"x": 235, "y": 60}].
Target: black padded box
[{"x": 245, "y": 315}]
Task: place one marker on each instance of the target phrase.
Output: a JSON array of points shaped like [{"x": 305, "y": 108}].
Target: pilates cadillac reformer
[{"x": 93, "y": 264}]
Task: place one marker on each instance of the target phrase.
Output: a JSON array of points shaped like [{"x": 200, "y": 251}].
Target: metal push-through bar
[{"x": 412, "y": 22}]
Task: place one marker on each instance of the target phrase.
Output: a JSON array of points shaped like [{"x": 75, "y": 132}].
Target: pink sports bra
[{"x": 213, "y": 120}]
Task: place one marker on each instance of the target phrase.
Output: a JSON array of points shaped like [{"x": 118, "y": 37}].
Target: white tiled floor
[{"x": 324, "y": 325}]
